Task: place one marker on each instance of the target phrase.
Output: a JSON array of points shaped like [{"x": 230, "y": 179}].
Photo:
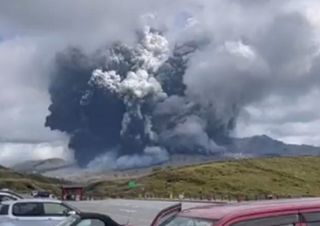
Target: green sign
[{"x": 132, "y": 184}]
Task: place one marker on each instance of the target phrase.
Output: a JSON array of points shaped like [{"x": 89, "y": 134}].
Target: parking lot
[{"x": 135, "y": 212}]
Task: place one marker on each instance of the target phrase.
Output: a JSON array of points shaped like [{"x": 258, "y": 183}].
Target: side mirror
[{"x": 70, "y": 212}]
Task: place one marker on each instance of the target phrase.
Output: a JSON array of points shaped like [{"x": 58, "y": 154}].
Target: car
[
  {"x": 8, "y": 195},
  {"x": 287, "y": 212},
  {"x": 34, "y": 212},
  {"x": 43, "y": 194},
  {"x": 88, "y": 219}
]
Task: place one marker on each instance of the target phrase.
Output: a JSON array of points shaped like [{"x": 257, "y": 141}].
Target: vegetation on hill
[
  {"x": 27, "y": 182},
  {"x": 250, "y": 179}
]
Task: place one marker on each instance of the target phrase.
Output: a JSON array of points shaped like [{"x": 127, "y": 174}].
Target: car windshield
[
  {"x": 69, "y": 220},
  {"x": 185, "y": 221}
]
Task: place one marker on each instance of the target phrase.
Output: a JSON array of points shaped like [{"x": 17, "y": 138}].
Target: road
[{"x": 135, "y": 212}]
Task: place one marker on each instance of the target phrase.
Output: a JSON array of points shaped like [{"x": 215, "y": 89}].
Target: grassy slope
[
  {"x": 279, "y": 176},
  {"x": 24, "y": 183}
]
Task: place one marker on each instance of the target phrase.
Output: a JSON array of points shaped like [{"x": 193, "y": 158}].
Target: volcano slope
[
  {"x": 250, "y": 179},
  {"x": 25, "y": 183}
]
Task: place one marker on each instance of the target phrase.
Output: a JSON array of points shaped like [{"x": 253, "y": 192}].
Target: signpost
[{"x": 132, "y": 184}]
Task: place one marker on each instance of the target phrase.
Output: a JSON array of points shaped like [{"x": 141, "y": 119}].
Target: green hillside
[
  {"x": 256, "y": 178},
  {"x": 26, "y": 182},
  {"x": 250, "y": 179}
]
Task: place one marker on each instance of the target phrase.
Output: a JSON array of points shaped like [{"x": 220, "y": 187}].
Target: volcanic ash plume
[
  {"x": 126, "y": 107},
  {"x": 136, "y": 88}
]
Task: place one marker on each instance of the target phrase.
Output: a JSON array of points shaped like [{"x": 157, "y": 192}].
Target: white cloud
[
  {"x": 24, "y": 104},
  {"x": 292, "y": 120},
  {"x": 13, "y": 153},
  {"x": 23, "y": 94}
]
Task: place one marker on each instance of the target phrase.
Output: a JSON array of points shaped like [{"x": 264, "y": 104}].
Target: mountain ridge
[{"x": 239, "y": 148}]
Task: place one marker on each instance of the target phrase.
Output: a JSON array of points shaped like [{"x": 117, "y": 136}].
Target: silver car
[{"x": 34, "y": 212}]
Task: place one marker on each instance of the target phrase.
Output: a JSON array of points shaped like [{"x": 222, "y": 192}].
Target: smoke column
[
  {"x": 128, "y": 103},
  {"x": 127, "y": 106}
]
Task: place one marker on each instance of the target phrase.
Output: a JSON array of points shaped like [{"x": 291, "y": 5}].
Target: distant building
[{"x": 72, "y": 192}]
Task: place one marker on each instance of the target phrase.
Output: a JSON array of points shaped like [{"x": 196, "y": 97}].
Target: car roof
[
  {"x": 9, "y": 193},
  {"x": 219, "y": 211},
  {"x": 6, "y": 193},
  {"x": 31, "y": 200}
]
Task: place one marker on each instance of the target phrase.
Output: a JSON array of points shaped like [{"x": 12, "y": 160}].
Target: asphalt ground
[{"x": 134, "y": 212}]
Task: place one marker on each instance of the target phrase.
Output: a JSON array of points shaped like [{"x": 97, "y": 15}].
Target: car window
[
  {"x": 311, "y": 219},
  {"x": 184, "y": 221},
  {"x": 28, "y": 209},
  {"x": 91, "y": 222},
  {"x": 6, "y": 198},
  {"x": 55, "y": 209},
  {"x": 287, "y": 220},
  {"x": 4, "y": 209}
]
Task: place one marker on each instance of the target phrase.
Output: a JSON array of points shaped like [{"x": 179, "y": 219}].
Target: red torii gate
[{"x": 72, "y": 192}]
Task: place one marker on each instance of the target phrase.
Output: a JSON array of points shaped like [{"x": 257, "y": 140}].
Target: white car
[{"x": 34, "y": 212}]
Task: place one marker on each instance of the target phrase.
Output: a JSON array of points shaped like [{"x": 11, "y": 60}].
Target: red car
[{"x": 288, "y": 212}]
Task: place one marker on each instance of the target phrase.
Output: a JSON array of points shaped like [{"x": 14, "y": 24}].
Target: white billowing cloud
[
  {"x": 151, "y": 155},
  {"x": 23, "y": 94},
  {"x": 260, "y": 50},
  {"x": 72, "y": 20},
  {"x": 14, "y": 153},
  {"x": 88, "y": 24},
  {"x": 148, "y": 56},
  {"x": 224, "y": 77},
  {"x": 240, "y": 49},
  {"x": 290, "y": 120},
  {"x": 152, "y": 51},
  {"x": 24, "y": 104},
  {"x": 310, "y": 8},
  {"x": 138, "y": 86}
]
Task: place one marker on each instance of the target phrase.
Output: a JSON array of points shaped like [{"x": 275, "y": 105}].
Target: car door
[
  {"x": 28, "y": 214},
  {"x": 166, "y": 213},
  {"x": 55, "y": 212}
]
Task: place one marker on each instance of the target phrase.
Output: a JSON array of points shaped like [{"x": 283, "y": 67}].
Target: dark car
[
  {"x": 88, "y": 219},
  {"x": 42, "y": 194},
  {"x": 288, "y": 212}
]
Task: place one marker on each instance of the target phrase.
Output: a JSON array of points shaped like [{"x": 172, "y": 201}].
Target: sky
[{"x": 275, "y": 42}]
